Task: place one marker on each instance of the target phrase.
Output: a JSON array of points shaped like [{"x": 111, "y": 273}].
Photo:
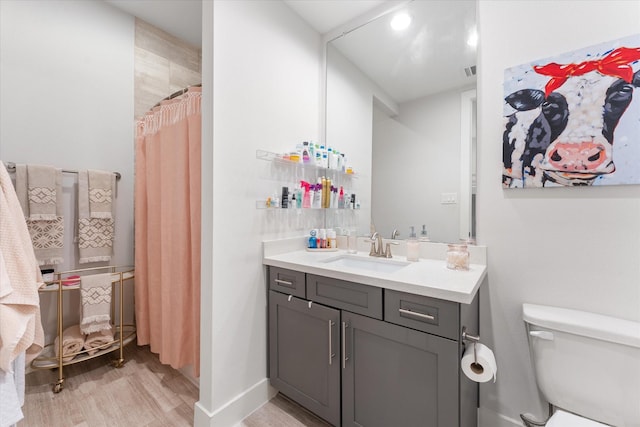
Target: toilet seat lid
[{"x": 561, "y": 418}]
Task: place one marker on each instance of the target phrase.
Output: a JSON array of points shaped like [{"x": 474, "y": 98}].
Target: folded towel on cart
[
  {"x": 98, "y": 340},
  {"x": 72, "y": 342}
]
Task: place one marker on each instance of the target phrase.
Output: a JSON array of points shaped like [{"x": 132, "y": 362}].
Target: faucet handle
[
  {"x": 372, "y": 252},
  {"x": 387, "y": 252}
]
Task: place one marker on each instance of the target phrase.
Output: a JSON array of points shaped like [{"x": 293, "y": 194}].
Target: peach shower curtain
[{"x": 167, "y": 230}]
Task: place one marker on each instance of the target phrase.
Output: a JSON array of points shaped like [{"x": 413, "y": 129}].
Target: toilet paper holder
[{"x": 473, "y": 338}]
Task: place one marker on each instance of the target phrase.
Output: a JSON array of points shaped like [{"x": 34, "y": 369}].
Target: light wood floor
[
  {"x": 143, "y": 392},
  {"x": 281, "y": 412}
]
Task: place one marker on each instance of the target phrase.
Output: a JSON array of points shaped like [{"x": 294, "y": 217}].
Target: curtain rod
[
  {"x": 11, "y": 166},
  {"x": 177, "y": 93}
]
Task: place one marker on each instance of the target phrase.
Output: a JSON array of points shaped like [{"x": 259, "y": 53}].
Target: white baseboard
[
  {"x": 490, "y": 418},
  {"x": 243, "y": 405},
  {"x": 234, "y": 411}
]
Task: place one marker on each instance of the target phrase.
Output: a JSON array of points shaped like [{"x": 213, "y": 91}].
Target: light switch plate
[{"x": 449, "y": 198}]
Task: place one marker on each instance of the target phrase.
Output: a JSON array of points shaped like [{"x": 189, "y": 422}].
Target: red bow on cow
[{"x": 614, "y": 64}]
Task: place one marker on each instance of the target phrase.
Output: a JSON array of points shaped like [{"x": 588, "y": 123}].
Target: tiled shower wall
[{"x": 163, "y": 64}]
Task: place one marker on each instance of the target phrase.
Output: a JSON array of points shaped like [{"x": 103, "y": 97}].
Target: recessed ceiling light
[{"x": 401, "y": 21}]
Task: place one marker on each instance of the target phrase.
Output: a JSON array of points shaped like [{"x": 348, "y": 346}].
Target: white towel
[
  {"x": 45, "y": 221},
  {"x": 95, "y": 235},
  {"x": 95, "y": 304}
]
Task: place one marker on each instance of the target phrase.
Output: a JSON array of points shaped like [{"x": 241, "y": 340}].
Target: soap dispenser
[
  {"x": 423, "y": 234},
  {"x": 413, "y": 246}
]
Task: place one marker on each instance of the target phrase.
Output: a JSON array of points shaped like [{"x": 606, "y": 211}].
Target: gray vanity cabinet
[
  {"x": 359, "y": 355},
  {"x": 395, "y": 376},
  {"x": 304, "y": 363}
]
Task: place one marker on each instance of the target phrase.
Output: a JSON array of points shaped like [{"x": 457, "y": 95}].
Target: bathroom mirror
[{"x": 410, "y": 94}]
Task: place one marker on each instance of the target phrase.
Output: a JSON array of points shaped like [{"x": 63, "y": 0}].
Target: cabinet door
[
  {"x": 396, "y": 376},
  {"x": 304, "y": 345}
]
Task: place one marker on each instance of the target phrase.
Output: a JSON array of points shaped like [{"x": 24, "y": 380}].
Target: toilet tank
[{"x": 586, "y": 363}]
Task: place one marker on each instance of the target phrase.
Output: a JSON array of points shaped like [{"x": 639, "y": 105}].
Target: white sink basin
[{"x": 380, "y": 265}]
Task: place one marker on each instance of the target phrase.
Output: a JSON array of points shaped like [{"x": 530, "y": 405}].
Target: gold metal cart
[{"x": 123, "y": 333}]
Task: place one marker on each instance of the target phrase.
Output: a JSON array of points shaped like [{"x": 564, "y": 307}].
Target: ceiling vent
[{"x": 470, "y": 71}]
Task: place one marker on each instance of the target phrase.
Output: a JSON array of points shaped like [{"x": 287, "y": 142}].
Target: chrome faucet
[{"x": 395, "y": 234}]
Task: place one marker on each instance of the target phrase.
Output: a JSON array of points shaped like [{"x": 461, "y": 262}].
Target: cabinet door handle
[
  {"x": 344, "y": 344},
  {"x": 415, "y": 313},
  {"x": 284, "y": 282},
  {"x": 331, "y": 353}
]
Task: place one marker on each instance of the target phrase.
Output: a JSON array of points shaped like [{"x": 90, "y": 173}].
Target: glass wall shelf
[{"x": 278, "y": 159}]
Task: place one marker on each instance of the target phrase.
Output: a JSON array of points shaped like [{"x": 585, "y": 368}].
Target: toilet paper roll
[{"x": 482, "y": 367}]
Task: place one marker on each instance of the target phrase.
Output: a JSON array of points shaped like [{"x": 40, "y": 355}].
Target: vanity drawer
[
  {"x": 435, "y": 316},
  {"x": 287, "y": 281},
  {"x": 350, "y": 296}
]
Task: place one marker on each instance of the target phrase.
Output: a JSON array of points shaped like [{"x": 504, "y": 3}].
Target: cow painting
[{"x": 561, "y": 120}]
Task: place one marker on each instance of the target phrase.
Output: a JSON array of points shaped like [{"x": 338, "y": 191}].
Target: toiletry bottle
[
  {"x": 299, "y": 150},
  {"x": 313, "y": 241},
  {"x": 413, "y": 246},
  {"x": 285, "y": 198},
  {"x": 323, "y": 200},
  {"x": 314, "y": 194},
  {"x": 330, "y": 157},
  {"x": 306, "y": 201},
  {"x": 305, "y": 152},
  {"x": 318, "y": 159},
  {"x": 312, "y": 153},
  {"x": 332, "y": 239},
  {"x": 299, "y": 198},
  {"x": 322, "y": 238},
  {"x": 341, "y": 198},
  {"x": 334, "y": 197},
  {"x": 317, "y": 195}
]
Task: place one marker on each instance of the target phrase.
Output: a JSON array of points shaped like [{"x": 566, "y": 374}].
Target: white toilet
[{"x": 586, "y": 365}]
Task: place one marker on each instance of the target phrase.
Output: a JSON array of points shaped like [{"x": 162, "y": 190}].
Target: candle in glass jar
[{"x": 457, "y": 257}]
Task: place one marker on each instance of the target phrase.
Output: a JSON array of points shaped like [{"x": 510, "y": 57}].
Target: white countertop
[{"x": 428, "y": 277}]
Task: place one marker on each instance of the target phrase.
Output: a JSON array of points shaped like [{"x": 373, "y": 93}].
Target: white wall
[
  {"x": 66, "y": 80},
  {"x": 416, "y": 158},
  {"x": 266, "y": 95},
  {"x": 571, "y": 247}
]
